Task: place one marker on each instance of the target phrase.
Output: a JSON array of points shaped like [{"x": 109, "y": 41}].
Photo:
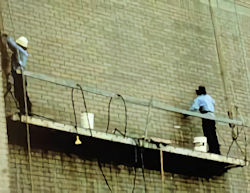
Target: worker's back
[{"x": 206, "y": 103}]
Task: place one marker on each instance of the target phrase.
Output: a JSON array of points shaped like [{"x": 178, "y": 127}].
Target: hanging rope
[
  {"x": 247, "y": 71},
  {"x": 28, "y": 132},
  {"x": 222, "y": 70},
  {"x": 25, "y": 103}
]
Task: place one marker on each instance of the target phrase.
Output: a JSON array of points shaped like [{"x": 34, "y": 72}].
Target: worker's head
[
  {"x": 23, "y": 42},
  {"x": 201, "y": 90}
]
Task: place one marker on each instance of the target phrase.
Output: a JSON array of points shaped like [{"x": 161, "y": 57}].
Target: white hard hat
[{"x": 22, "y": 41}]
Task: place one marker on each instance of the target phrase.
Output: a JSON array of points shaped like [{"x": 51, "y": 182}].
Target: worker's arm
[
  {"x": 12, "y": 44},
  {"x": 21, "y": 54},
  {"x": 14, "y": 47},
  {"x": 195, "y": 106}
]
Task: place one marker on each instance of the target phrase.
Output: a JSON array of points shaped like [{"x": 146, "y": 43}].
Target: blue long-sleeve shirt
[
  {"x": 205, "y": 102},
  {"x": 19, "y": 56}
]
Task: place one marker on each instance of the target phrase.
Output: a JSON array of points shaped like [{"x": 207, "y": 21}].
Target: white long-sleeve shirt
[{"x": 204, "y": 101}]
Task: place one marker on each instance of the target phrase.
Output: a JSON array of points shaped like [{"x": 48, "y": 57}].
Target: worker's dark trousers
[
  {"x": 209, "y": 131},
  {"x": 19, "y": 92}
]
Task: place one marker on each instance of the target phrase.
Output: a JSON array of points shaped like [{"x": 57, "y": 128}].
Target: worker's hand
[{"x": 4, "y": 35}]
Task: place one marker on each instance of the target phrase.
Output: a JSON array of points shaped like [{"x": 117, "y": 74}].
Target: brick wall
[
  {"x": 4, "y": 167},
  {"x": 161, "y": 49},
  {"x": 4, "y": 153}
]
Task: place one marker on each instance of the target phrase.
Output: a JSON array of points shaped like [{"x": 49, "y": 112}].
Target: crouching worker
[
  {"x": 18, "y": 64},
  {"x": 205, "y": 104}
]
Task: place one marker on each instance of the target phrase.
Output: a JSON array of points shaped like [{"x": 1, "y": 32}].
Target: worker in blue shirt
[
  {"x": 205, "y": 104},
  {"x": 18, "y": 64}
]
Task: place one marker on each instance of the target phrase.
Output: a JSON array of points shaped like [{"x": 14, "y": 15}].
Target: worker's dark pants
[
  {"x": 209, "y": 131},
  {"x": 19, "y": 92}
]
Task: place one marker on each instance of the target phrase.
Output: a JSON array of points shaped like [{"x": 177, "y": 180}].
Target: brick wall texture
[
  {"x": 4, "y": 152},
  {"x": 160, "y": 49}
]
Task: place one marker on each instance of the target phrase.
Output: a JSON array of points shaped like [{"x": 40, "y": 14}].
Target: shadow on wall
[{"x": 109, "y": 152}]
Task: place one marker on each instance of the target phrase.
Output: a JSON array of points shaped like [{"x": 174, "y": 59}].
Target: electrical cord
[
  {"x": 100, "y": 166},
  {"x": 135, "y": 164},
  {"x": 111, "y": 98},
  {"x": 85, "y": 106},
  {"x": 118, "y": 131},
  {"x": 245, "y": 145},
  {"x": 126, "y": 113},
  {"x": 125, "y": 109},
  {"x": 73, "y": 105}
]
